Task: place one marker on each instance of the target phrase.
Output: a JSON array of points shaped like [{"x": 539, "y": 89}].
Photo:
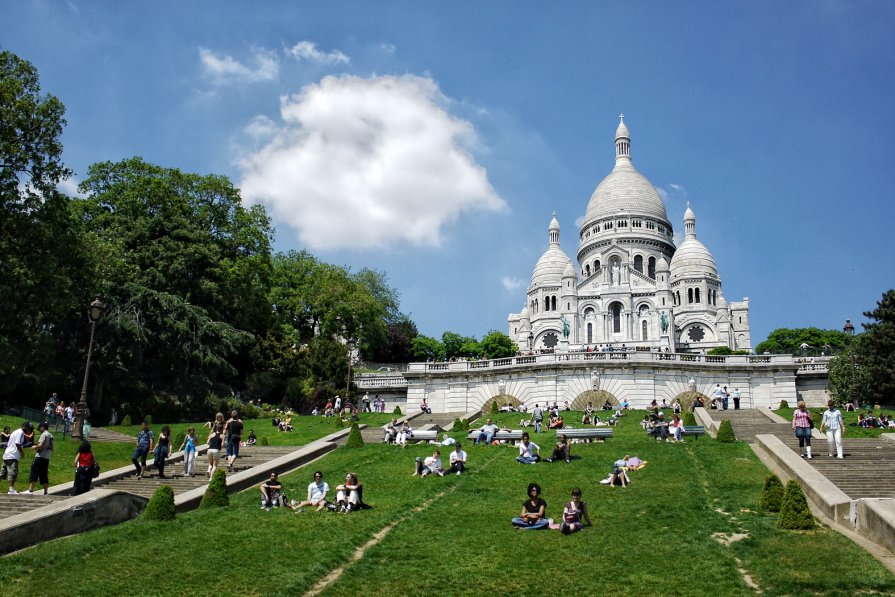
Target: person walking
[
  {"x": 802, "y": 425},
  {"x": 190, "y": 441},
  {"x": 162, "y": 449},
  {"x": 40, "y": 467},
  {"x": 234, "y": 430},
  {"x": 84, "y": 465},
  {"x": 13, "y": 454},
  {"x": 538, "y": 415},
  {"x": 145, "y": 441},
  {"x": 833, "y": 424},
  {"x": 215, "y": 440}
]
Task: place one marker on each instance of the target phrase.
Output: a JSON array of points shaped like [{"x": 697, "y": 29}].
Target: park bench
[
  {"x": 691, "y": 430},
  {"x": 502, "y": 435},
  {"x": 586, "y": 433},
  {"x": 423, "y": 435}
]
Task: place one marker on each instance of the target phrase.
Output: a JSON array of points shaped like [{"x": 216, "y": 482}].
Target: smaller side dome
[
  {"x": 692, "y": 258},
  {"x": 662, "y": 266},
  {"x": 569, "y": 272}
]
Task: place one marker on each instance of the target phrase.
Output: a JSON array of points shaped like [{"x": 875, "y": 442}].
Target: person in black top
[
  {"x": 215, "y": 440},
  {"x": 162, "y": 449},
  {"x": 272, "y": 493},
  {"x": 234, "y": 437},
  {"x": 534, "y": 510}
]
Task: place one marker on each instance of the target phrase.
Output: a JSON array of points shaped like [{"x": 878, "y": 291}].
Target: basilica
[{"x": 633, "y": 288}]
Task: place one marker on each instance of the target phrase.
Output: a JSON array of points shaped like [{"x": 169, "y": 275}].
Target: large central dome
[{"x": 625, "y": 190}]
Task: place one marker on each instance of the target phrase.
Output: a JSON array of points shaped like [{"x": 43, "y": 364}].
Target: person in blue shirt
[{"x": 145, "y": 441}]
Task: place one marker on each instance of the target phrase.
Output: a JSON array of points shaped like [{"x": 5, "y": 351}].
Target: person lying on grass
[
  {"x": 573, "y": 513},
  {"x": 534, "y": 511},
  {"x": 317, "y": 491},
  {"x": 557, "y": 423},
  {"x": 529, "y": 452},
  {"x": 562, "y": 449},
  {"x": 431, "y": 465}
]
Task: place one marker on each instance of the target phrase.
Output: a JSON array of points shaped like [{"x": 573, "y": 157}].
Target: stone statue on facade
[
  {"x": 566, "y": 329},
  {"x": 691, "y": 385},
  {"x": 615, "y": 278},
  {"x": 663, "y": 321}
]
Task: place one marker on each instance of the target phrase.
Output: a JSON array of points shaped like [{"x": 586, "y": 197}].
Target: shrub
[
  {"x": 794, "y": 511},
  {"x": 783, "y": 404},
  {"x": 725, "y": 433},
  {"x": 355, "y": 440},
  {"x": 689, "y": 419},
  {"x": 772, "y": 494},
  {"x": 126, "y": 420},
  {"x": 397, "y": 410},
  {"x": 216, "y": 495},
  {"x": 161, "y": 505},
  {"x": 337, "y": 422},
  {"x": 494, "y": 408},
  {"x": 264, "y": 441},
  {"x": 148, "y": 419}
]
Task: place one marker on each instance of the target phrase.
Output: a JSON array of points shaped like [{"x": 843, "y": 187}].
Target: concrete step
[
  {"x": 104, "y": 434},
  {"x": 10, "y": 505}
]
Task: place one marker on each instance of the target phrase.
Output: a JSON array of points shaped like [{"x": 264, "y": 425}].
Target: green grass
[
  {"x": 655, "y": 537},
  {"x": 851, "y": 421}
]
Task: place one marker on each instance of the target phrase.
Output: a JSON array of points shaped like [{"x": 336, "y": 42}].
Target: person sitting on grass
[
  {"x": 252, "y": 439},
  {"x": 659, "y": 427},
  {"x": 404, "y": 433},
  {"x": 618, "y": 476},
  {"x": 431, "y": 465},
  {"x": 317, "y": 491},
  {"x": 348, "y": 494},
  {"x": 486, "y": 433},
  {"x": 529, "y": 452},
  {"x": 574, "y": 513},
  {"x": 272, "y": 493},
  {"x": 557, "y": 423},
  {"x": 458, "y": 460},
  {"x": 676, "y": 428},
  {"x": 534, "y": 511},
  {"x": 561, "y": 451}
]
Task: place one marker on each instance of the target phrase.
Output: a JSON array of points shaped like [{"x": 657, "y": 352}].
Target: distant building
[{"x": 632, "y": 287}]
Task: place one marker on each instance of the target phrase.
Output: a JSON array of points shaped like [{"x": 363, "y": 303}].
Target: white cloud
[
  {"x": 368, "y": 163},
  {"x": 260, "y": 128},
  {"x": 677, "y": 187},
  {"x": 307, "y": 50},
  {"x": 387, "y": 47},
  {"x": 69, "y": 186},
  {"x": 511, "y": 284},
  {"x": 222, "y": 69}
]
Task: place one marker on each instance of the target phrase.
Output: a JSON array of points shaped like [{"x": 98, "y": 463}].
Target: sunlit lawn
[{"x": 453, "y": 535}]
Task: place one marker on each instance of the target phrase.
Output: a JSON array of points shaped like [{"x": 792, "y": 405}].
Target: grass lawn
[
  {"x": 452, "y": 535},
  {"x": 851, "y": 421}
]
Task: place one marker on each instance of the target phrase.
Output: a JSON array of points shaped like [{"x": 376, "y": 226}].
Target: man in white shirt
[
  {"x": 486, "y": 433},
  {"x": 458, "y": 460},
  {"x": 317, "y": 491},
  {"x": 832, "y": 422},
  {"x": 13, "y": 454},
  {"x": 717, "y": 397}
]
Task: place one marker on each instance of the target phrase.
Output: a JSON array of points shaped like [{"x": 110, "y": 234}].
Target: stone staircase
[
  {"x": 104, "y": 434},
  {"x": 10, "y": 505},
  {"x": 249, "y": 456},
  {"x": 867, "y": 471}
]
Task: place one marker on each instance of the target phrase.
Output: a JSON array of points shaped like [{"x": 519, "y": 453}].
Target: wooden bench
[
  {"x": 692, "y": 430},
  {"x": 586, "y": 433},
  {"x": 423, "y": 435},
  {"x": 501, "y": 435}
]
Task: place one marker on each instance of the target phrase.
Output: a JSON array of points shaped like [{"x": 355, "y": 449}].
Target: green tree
[
  {"x": 41, "y": 259},
  {"x": 879, "y": 348},
  {"x": 425, "y": 348},
  {"x": 161, "y": 505},
  {"x": 497, "y": 345},
  {"x": 789, "y": 341},
  {"x": 453, "y": 344},
  {"x": 848, "y": 373}
]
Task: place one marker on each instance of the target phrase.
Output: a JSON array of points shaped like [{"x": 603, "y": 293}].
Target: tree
[
  {"x": 789, "y": 341},
  {"x": 848, "y": 373},
  {"x": 497, "y": 345},
  {"x": 40, "y": 250},
  {"x": 878, "y": 346},
  {"x": 426, "y": 348},
  {"x": 453, "y": 345}
]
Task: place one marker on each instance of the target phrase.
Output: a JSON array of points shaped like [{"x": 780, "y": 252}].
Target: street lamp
[
  {"x": 849, "y": 329},
  {"x": 94, "y": 313},
  {"x": 351, "y": 344}
]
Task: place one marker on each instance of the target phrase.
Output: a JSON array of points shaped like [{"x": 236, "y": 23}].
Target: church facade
[{"x": 633, "y": 289}]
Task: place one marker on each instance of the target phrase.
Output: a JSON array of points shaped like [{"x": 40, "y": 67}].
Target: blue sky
[{"x": 433, "y": 140}]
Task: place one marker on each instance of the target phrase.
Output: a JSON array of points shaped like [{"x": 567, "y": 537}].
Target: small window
[
  {"x": 638, "y": 263},
  {"x": 689, "y": 295},
  {"x": 697, "y": 295}
]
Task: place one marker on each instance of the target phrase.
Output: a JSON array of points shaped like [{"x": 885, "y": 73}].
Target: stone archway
[
  {"x": 686, "y": 399},
  {"x": 596, "y": 397},
  {"x": 501, "y": 400}
]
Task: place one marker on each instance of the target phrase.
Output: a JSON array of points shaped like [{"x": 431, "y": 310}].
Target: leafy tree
[
  {"x": 789, "y": 341},
  {"x": 453, "y": 344},
  {"x": 848, "y": 373},
  {"x": 878, "y": 346},
  {"x": 425, "y": 348},
  {"x": 398, "y": 346},
  {"x": 497, "y": 345},
  {"x": 41, "y": 260}
]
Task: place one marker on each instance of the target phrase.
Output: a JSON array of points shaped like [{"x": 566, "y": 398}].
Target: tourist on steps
[
  {"x": 802, "y": 425},
  {"x": 832, "y": 422}
]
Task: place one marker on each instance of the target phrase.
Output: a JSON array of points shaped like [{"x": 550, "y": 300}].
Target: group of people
[
  {"x": 432, "y": 465},
  {"x": 721, "y": 398},
  {"x": 831, "y": 423},
  {"x": 396, "y": 433},
  {"x": 656, "y": 425},
  {"x": 349, "y": 495},
  {"x": 869, "y": 421},
  {"x": 534, "y": 513}
]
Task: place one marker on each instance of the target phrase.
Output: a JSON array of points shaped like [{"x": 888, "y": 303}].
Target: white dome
[
  {"x": 662, "y": 266},
  {"x": 569, "y": 272},
  {"x": 692, "y": 258},
  {"x": 550, "y": 267}
]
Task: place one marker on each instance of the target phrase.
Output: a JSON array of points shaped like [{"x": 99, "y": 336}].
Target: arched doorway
[
  {"x": 502, "y": 401},
  {"x": 686, "y": 399},
  {"x": 596, "y": 397}
]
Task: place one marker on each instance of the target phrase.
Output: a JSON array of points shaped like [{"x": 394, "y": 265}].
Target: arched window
[
  {"x": 590, "y": 333},
  {"x": 587, "y": 270},
  {"x": 638, "y": 263},
  {"x": 615, "y": 312},
  {"x": 697, "y": 295},
  {"x": 643, "y": 330},
  {"x": 588, "y": 311},
  {"x": 689, "y": 295},
  {"x": 651, "y": 268},
  {"x": 596, "y": 265},
  {"x": 553, "y": 305}
]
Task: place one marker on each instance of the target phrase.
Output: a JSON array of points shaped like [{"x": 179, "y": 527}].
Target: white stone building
[{"x": 633, "y": 288}]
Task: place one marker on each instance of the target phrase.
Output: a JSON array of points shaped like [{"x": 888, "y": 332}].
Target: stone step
[{"x": 104, "y": 434}]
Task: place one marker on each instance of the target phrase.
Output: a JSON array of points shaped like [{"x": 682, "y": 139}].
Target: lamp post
[
  {"x": 849, "y": 329},
  {"x": 351, "y": 344},
  {"x": 94, "y": 313}
]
